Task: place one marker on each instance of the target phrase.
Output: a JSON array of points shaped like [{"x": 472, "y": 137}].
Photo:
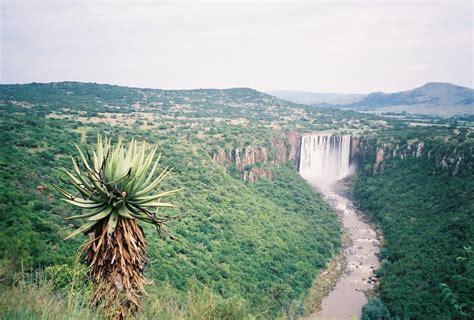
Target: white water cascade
[{"x": 325, "y": 158}]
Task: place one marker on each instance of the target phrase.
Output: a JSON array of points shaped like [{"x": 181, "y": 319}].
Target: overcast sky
[{"x": 352, "y": 47}]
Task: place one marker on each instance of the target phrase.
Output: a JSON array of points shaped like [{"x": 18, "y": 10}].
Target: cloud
[{"x": 350, "y": 47}]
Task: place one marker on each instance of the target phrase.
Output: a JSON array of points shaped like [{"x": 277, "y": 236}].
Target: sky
[{"x": 345, "y": 47}]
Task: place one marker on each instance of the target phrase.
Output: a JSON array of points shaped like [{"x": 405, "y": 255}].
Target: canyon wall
[
  {"x": 374, "y": 152},
  {"x": 327, "y": 157},
  {"x": 251, "y": 161}
]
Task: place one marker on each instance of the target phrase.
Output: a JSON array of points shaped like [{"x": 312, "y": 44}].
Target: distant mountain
[
  {"x": 433, "y": 98},
  {"x": 313, "y": 98}
]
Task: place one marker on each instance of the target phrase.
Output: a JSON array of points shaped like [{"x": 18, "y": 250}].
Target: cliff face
[
  {"x": 376, "y": 152},
  {"x": 294, "y": 141},
  {"x": 250, "y": 161}
]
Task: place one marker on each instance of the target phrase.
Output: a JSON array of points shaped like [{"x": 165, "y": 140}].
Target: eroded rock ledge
[{"x": 251, "y": 161}]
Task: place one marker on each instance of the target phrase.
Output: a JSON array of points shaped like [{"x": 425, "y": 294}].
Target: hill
[
  {"x": 252, "y": 233},
  {"x": 433, "y": 98},
  {"x": 261, "y": 243},
  {"x": 321, "y": 99}
]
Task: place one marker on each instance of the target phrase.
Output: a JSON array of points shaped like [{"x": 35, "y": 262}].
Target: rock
[
  {"x": 285, "y": 148},
  {"x": 40, "y": 188},
  {"x": 419, "y": 149},
  {"x": 456, "y": 168},
  {"x": 294, "y": 140},
  {"x": 256, "y": 173}
]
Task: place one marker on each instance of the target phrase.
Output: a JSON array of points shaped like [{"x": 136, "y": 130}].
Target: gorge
[
  {"x": 253, "y": 235},
  {"x": 325, "y": 160}
]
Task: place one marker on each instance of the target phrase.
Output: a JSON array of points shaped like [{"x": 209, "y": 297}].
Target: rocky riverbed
[{"x": 360, "y": 259}]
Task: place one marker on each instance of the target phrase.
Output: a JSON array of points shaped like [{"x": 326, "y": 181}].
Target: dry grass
[{"x": 36, "y": 297}]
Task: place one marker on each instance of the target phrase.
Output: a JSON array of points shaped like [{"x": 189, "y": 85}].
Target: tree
[
  {"x": 375, "y": 310},
  {"x": 115, "y": 186}
]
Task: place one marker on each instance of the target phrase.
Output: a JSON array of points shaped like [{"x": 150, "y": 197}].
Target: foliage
[
  {"x": 232, "y": 237},
  {"x": 116, "y": 183},
  {"x": 261, "y": 244},
  {"x": 375, "y": 310},
  {"x": 426, "y": 214},
  {"x": 37, "y": 296}
]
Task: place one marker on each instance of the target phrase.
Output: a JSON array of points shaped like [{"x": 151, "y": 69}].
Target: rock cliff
[
  {"x": 251, "y": 161},
  {"x": 445, "y": 158}
]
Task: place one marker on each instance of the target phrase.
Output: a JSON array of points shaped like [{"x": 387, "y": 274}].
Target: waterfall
[{"x": 325, "y": 158}]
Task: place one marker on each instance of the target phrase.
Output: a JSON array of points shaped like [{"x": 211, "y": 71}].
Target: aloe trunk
[{"x": 116, "y": 267}]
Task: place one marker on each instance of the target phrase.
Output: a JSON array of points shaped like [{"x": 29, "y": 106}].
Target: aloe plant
[{"x": 116, "y": 188}]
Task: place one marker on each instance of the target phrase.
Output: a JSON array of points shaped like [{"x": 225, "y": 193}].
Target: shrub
[{"x": 375, "y": 310}]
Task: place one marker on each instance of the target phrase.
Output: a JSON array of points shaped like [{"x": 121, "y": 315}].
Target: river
[{"x": 360, "y": 256}]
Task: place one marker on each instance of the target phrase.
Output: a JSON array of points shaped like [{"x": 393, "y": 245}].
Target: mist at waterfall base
[{"x": 325, "y": 159}]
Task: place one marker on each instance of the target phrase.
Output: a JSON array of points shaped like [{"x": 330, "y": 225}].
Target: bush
[
  {"x": 61, "y": 276},
  {"x": 375, "y": 310}
]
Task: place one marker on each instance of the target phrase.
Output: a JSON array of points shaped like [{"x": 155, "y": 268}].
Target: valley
[
  {"x": 326, "y": 161},
  {"x": 360, "y": 260},
  {"x": 253, "y": 233}
]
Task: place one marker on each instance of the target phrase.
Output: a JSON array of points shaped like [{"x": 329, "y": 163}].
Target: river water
[{"x": 348, "y": 296}]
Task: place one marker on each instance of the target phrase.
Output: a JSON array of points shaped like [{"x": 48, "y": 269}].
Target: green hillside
[
  {"x": 244, "y": 250},
  {"x": 262, "y": 243},
  {"x": 425, "y": 209}
]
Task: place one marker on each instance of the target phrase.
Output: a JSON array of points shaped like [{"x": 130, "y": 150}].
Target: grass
[
  {"x": 39, "y": 300},
  {"x": 62, "y": 292}
]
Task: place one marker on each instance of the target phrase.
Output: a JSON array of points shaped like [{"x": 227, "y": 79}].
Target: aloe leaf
[
  {"x": 84, "y": 160},
  {"x": 119, "y": 179},
  {"x": 84, "y": 227},
  {"x": 79, "y": 173},
  {"x": 100, "y": 147},
  {"x": 143, "y": 170},
  {"x": 128, "y": 156},
  {"x": 63, "y": 192},
  {"x": 77, "y": 183},
  {"x": 142, "y": 200},
  {"x": 112, "y": 223},
  {"x": 97, "y": 161},
  {"x": 73, "y": 178},
  {"x": 158, "y": 204},
  {"x": 152, "y": 185},
  {"x": 150, "y": 175},
  {"x": 136, "y": 159},
  {"x": 86, "y": 215},
  {"x": 114, "y": 161},
  {"x": 74, "y": 198},
  {"x": 138, "y": 214},
  {"x": 102, "y": 214},
  {"x": 124, "y": 212},
  {"x": 83, "y": 205},
  {"x": 84, "y": 191},
  {"x": 98, "y": 185}
]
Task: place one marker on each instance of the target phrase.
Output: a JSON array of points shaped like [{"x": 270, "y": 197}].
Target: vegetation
[
  {"x": 244, "y": 250},
  {"x": 42, "y": 296},
  {"x": 375, "y": 310},
  {"x": 426, "y": 213},
  {"x": 239, "y": 241},
  {"x": 115, "y": 186}
]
